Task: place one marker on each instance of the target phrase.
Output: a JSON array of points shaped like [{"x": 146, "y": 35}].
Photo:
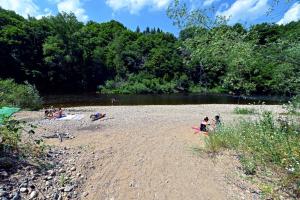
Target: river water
[{"x": 165, "y": 99}]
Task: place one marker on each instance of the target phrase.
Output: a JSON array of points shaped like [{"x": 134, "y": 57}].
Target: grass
[
  {"x": 293, "y": 106},
  {"x": 63, "y": 180},
  {"x": 265, "y": 144},
  {"x": 244, "y": 111}
]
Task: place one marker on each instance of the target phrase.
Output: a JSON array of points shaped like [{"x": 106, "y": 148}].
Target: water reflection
[{"x": 170, "y": 99}]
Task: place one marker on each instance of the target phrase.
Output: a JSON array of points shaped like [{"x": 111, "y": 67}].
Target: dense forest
[{"x": 59, "y": 54}]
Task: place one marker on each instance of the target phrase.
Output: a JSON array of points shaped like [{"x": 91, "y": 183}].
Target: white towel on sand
[{"x": 72, "y": 117}]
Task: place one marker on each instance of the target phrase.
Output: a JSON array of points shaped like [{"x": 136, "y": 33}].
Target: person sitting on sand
[
  {"x": 203, "y": 125},
  {"x": 97, "y": 116},
  {"x": 48, "y": 114},
  {"x": 217, "y": 122},
  {"x": 58, "y": 114}
]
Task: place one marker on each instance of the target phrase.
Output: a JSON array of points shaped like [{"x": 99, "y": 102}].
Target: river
[{"x": 164, "y": 99}]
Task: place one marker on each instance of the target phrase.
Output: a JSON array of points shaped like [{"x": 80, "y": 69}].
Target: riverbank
[{"x": 147, "y": 152}]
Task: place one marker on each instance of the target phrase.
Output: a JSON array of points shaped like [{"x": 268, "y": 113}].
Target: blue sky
[{"x": 152, "y": 13}]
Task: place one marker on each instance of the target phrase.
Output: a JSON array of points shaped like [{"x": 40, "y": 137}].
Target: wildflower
[{"x": 290, "y": 169}]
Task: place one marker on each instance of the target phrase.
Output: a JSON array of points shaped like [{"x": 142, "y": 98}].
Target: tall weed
[
  {"x": 16, "y": 138},
  {"x": 244, "y": 111},
  {"x": 264, "y": 143},
  {"x": 293, "y": 106}
]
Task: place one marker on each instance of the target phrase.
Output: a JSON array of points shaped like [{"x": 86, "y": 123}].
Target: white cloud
[
  {"x": 293, "y": 14},
  {"x": 209, "y": 2},
  {"x": 245, "y": 10},
  {"x": 134, "y": 6},
  {"x": 74, "y": 6},
  {"x": 24, "y": 7}
]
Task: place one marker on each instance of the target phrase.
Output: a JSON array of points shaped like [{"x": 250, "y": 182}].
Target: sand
[{"x": 148, "y": 152}]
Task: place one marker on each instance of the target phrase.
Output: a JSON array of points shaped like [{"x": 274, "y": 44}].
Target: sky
[{"x": 152, "y": 13}]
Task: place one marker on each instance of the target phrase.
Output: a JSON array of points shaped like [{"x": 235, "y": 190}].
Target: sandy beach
[{"x": 148, "y": 152}]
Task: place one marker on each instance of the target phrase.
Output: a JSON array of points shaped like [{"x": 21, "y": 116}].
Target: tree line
[{"x": 59, "y": 54}]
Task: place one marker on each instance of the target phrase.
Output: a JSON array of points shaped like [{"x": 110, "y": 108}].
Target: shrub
[
  {"x": 196, "y": 88},
  {"x": 264, "y": 143},
  {"x": 20, "y": 95},
  {"x": 244, "y": 111},
  {"x": 10, "y": 136},
  {"x": 141, "y": 84},
  {"x": 13, "y": 142}
]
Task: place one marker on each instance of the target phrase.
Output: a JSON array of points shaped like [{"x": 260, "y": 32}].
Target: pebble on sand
[
  {"x": 85, "y": 194},
  {"x": 68, "y": 188},
  {"x": 51, "y": 172},
  {"x": 23, "y": 190},
  {"x": 73, "y": 169},
  {"x": 33, "y": 194}
]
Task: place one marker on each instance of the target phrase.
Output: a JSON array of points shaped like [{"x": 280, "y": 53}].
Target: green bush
[
  {"x": 142, "y": 84},
  {"x": 24, "y": 95},
  {"x": 244, "y": 111},
  {"x": 262, "y": 144},
  {"x": 10, "y": 136},
  {"x": 196, "y": 88},
  {"x": 16, "y": 138}
]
